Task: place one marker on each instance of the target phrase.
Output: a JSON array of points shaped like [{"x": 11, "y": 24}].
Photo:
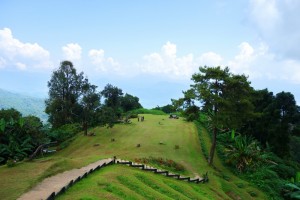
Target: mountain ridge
[{"x": 27, "y": 105}]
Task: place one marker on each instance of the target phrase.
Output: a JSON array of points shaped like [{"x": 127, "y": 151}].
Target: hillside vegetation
[{"x": 155, "y": 129}]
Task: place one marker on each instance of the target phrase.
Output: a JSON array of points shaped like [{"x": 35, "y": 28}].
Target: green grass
[
  {"x": 110, "y": 183},
  {"x": 122, "y": 182}
]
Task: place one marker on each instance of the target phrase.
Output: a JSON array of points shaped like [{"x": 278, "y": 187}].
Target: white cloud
[
  {"x": 259, "y": 63},
  {"x": 277, "y": 22},
  {"x": 169, "y": 50},
  {"x": 21, "y": 66},
  {"x": 210, "y": 59},
  {"x": 102, "y": 63},
  {"x": 168, "y": 63},
  {"x": 13, "y": 52},
  {"x": 265, "y": 14},
  {"x": 2, "y": 62},
  {"x": 72, "y": 51}
]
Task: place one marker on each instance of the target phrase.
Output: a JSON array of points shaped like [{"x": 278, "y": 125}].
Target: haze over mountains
[{"x": 25, "y": 104}]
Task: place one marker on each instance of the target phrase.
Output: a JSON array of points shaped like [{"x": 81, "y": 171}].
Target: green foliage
[
  {"x": 113, "y": 97},
  {"x": 200, "y": 129},
  {"x": 65, "y": 89},
  {"x": 64, "y": 132},
  {"x": 10, "y": 163},
  {"x": 147, "y": 111},
  {"x": 292, "y": 191},
  {"x": 295, "y": 148},
  {"x": 276, "y": 117},
  {"x": 267, "y": 180},
  {"x": 162, "y": 162},
  {"x": 129, "y": 102},
  {"x": 166, "y": 109},
  {"x": 18, "y": 135},
  {"x": 90, "y": 103},
  {"x": 191, "y": 113},
  {"x": 226, "y": 96},
  {"x": 298, "y": 177},
  {"x": 244, "y": 153}
]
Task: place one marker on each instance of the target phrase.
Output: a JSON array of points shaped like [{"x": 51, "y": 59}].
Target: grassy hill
[
  {"x": 25, "y": 104},
  {"x": 122, "y": 182}
]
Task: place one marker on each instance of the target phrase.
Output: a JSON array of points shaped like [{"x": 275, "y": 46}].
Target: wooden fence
[
  {"x": 163, "y": 172},
  {"x": 131, "y": 164}
]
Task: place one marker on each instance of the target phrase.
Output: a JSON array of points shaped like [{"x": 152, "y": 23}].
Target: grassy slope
[{"x": 148, "y": 133}]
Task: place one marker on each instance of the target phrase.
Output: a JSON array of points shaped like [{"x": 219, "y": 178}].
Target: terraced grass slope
[
  {"x": 109, "y": 183},
  {"x": 118, "y": 182}
]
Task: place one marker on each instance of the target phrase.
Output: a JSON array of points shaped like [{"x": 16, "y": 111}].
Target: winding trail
[{"x": 54, "y": 183}]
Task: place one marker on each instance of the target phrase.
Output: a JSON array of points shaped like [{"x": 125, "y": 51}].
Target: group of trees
[
  {"x": 19, "y": 135},
  {"x": 74, "y": 104},
  {"x": 73, "y": 99},
  {"x": 257, "y": 131},
  {"x": 232, "y": 104}
]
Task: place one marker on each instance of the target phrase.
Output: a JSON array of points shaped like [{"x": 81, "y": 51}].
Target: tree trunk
[
  {"x": 213, "y": 147},
  {"x": 85, "y": 127}
]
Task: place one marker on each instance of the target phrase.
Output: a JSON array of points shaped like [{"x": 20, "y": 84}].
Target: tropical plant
[
  {"x": 292, "y": 190},
  {"x": 245, "y": 153}
]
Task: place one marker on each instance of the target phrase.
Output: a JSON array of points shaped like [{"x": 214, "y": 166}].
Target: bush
[
  {"x": 267, "y": 180},
  {"x": 132, "y": 115},
  {"x": 148, "y": 111},
  {"x": 11, "y": 163},
  {"x": 165, "y": 163},
  {"x": 64, "y": 132}
]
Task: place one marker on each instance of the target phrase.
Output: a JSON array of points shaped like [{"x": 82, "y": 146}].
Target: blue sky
[{"x": 149, "y": 49}]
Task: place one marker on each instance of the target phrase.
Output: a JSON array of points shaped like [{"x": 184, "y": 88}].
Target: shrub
[
  {"x": 267, "y": 180},
  {"x": 65, "y": 132},
  {"x": 164, "y": 163},
  {"x": 148, "y": 111},
  {"x": 11, "y": 163}
]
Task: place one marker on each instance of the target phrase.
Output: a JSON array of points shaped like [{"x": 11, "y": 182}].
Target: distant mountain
[{"x": 25, "y": 104}]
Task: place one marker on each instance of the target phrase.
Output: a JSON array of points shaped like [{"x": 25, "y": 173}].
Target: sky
[{"x": 149, "y": 49}]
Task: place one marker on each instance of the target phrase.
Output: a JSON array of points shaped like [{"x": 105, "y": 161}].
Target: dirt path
[{"x": 54, "y": 183}]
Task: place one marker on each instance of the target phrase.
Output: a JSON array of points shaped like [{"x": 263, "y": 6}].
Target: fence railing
[
  {"x": 163, "y": 172},
  {"x": 72, "y": 182},
  {"x": 131, "y": 164}
]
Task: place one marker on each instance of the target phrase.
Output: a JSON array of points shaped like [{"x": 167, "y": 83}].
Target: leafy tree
[
  {"x": 225, "y": 96},
  {"x": 237, "y": 101},
  {"x": 90, "y": 103},
  {"x": 275, "y": 120},
  {"x": 168, "y": 108},
  {"x": 8, "y": 114},
  {"x": 190, "y": 111},
  {"x": 106, "y": 116},
  {"x": 34, "y": 127},
  {"x": 281, "y": 115},
  {"x": 129, "y": 102},
  {"x": 113, "y": 97},
  {"x": 209, "y": 87},
  {"x": 65, "y": 88},
  {"x": 259, "y": 125},
  {"x": 17, "y": 135}
]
